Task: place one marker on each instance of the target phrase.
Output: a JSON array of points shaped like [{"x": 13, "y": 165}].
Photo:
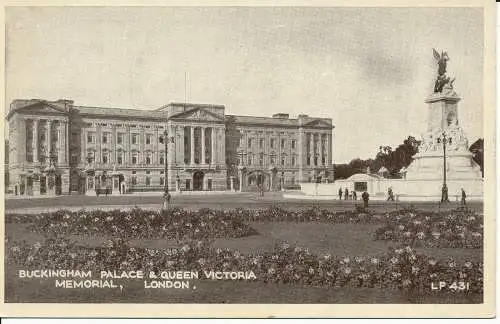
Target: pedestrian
[
  {"x": 354, "y": 195},
  {"x": 365, "y": 197},
  {"x": 390, "y": 194},
  {"x": 444, "y": 194},
  {"x": 166, "y": 200},
  {"x": 463, "y": 197},
  {"x": 340, "y": 193},
  {"x": 346, "y": 194}
]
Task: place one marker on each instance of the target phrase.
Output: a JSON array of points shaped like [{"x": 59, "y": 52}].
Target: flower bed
[
  {"x": 138, "y": 223},
  {"x": 401, "y": 268},
  {"x": 459, "y": 228}
]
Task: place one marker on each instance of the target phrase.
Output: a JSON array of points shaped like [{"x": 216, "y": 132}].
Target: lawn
[{"x": 320, "y": 238}]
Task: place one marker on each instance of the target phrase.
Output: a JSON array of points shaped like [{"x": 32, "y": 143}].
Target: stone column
[
  {"x": 66, "y": 141},
  {"x": 21, "y": 157},
  {"x": 311, "y": 147},
  {"x": 180, "y": 145},
  {"x": 98, "y": 145},
  {"x": 35, "y": 186},
  {"x": 202, "y": 145},
  {"x": 127, "y": 155},
  {"x": 115, "y": 191},
  {"x": 49, "y": 138},
  {"x": 329, "y": 149},
  {"x": 213, "y": 147},
  {"x": 300, "y": 157},
  {"x": 34, "y": 141},
  {"x": 112, "y": 155},
  {"x": 192, "y": 145},
  {"x": 156, "y": 147},
  {"x": 241, "y": 180},
  {"x": 231, "y": 183},
  {"x": 60, "y": 152},
  {"x": 222, "y": 151},
  {"x": 321, "y": 149}
]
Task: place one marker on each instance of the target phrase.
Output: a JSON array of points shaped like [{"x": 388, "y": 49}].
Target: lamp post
[
  {"x": 166, "y": 140},
  {"x": 241, "y": 168},
  {"x": 444, "y": 190},
  {"x": 272, "y": 169}
]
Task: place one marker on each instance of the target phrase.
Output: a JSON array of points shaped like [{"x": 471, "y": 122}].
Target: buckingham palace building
[{"x": 59, "y": 148}]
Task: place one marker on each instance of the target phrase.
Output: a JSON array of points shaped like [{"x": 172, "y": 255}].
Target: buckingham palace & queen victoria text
[{"x": 59, "y": 148}]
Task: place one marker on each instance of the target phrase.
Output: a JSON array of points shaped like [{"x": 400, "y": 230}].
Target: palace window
[
  {"x": 282, "y": 143},
  {"x": 249, "y": 143},
  {"x": 104, "y": 138},
  {"x": 250, "y": 160},
  {"x": 315, "y": 160},
  {"x": 119, "y": 158},
  {"x": 308, "y": 160},
  {"x": 282, "y": 161},
  {"x": 272, "y": 143},
  {"x": 105, "y": 157},
  {"x": 90, "y": 157},
  {"x": 74, "y": 158},
  {"x": 119, "y": 138},
  {"x": 90, "y": 137},
  {"x": 134, "y": 158},
  {"x": 293, "y": 160},
  {"x": 162, "y": 180},
  {"x": 188, "y": 184},
  {"x": 261, "y": 143},
  {"x": 272, "y": 160},
  {"x": 148, "y": 158},
  {"x": 293, "y": 144},
  {"x": 149, "y": 139},
  {"x": 134, "y": 138},
  {"x": 261, "y": 159},
  {"x": 162, "y": 159},
  {"x": 323, "y": 160}
]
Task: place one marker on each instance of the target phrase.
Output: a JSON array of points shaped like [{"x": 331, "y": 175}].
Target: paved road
[{"x": 243, "y": 200}]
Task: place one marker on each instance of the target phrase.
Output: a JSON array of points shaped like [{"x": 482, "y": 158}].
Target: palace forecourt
[{"x": 59, "y": 148}]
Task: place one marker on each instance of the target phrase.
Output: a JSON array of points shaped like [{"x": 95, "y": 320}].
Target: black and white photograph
[{"x": 270, "y": 155}]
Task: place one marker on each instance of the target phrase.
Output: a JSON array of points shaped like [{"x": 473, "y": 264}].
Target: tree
[
  {"x": 392, "y": 160},
  {"x": 477, "y": 150}
]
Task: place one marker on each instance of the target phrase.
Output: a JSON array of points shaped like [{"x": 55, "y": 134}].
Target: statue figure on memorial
[{"x": 442, "y": 79}]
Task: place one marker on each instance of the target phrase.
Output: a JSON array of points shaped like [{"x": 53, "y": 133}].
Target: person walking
[
  {"x": 166, "y": 200},
  {"x": 346, "y": 194},
  {"x": 340, "y": 193},
  {"x": 390, "y": 194},
  {"x": 354, "y": 195},
  {"x": 444, "y": 194},
  {"x": 463, "y": 197},
  {"x": 365, "y": 197}
]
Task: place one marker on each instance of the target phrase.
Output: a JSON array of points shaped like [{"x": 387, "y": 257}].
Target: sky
[{"x": 369, "y": 69}]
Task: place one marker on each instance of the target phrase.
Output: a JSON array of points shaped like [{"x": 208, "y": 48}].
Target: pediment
[
  {"x": 41, "y": 107},
  {"x": 318, "y": 123},
  {"x": 198, "y": 114}
]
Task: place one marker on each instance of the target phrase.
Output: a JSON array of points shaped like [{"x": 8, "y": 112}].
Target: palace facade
[{"x": 56, "y": 147}]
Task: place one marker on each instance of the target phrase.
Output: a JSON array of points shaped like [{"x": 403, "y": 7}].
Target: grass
[{"x": 319, "y": 238}]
